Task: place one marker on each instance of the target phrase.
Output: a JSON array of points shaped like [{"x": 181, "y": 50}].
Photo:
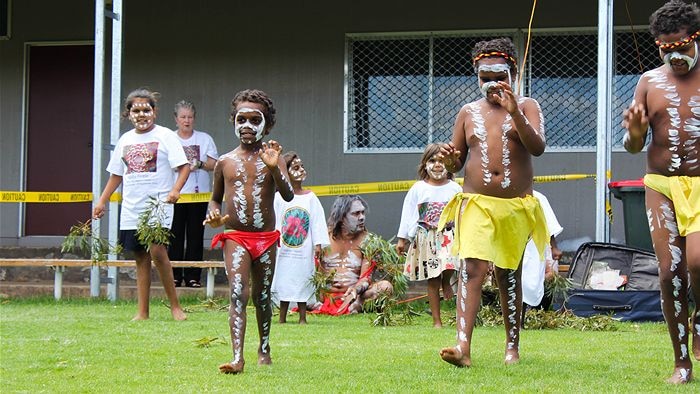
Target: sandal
[{"x": 193, "y": 283}]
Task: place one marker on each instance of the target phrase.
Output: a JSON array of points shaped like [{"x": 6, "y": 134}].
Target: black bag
[{"x": 637, "y": 300}]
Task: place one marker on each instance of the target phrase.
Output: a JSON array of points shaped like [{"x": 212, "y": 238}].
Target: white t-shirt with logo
[
  {"x": 200, "y": 146},
  {"x": 146, "y": 163}
]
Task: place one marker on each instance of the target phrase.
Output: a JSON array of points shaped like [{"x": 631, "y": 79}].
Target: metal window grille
[
  {"x": 562, "y": 77},
  {"x": 403, "y": 91}
]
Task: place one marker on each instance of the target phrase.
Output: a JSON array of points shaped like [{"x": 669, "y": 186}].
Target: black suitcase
[{"x": 638, "y": 300}]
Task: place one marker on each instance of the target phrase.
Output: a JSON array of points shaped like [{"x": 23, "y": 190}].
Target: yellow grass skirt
[
  {"x": 495, "y": 229},
  {"x": 684, "y": 191}
]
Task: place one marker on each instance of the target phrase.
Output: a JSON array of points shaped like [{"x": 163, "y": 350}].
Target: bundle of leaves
[
  {"x": 389, "y": 263},
  {"x": 150, "y": 229},
  {"x": 82, "y": 240},
  {"x": 539, "y": 319},
  {"x": 557, "y": 287},
  {"x": 321, "y": 281},
  {"x": 388, "y": 311}
]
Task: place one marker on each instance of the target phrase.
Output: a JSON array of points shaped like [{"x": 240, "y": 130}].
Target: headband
[
  {"x": 497, "y": 54},
  {"x": 679, "y": 43}
]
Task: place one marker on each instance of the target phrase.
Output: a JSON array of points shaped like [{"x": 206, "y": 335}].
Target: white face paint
[
  {"x": 297, "y": 172},
  {"x": 249, "y": 118},
  {"x": 142, "y": 115},
  {"x": 435, "y": 167},
  {"x": 354, "y": 221},
  {"x": 493, "y": 68},
  {"x": 678, "y": 56}
]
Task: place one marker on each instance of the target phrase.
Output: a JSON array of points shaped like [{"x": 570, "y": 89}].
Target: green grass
[{"x": 91, "y": 346}]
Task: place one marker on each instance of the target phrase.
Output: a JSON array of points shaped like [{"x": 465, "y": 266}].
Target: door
[{"x": 59, "y": 134}]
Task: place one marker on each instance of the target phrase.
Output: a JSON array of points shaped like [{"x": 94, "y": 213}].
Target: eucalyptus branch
[
  {"x": 150, "y": 229},
  {"x": 81, "y": 239}
]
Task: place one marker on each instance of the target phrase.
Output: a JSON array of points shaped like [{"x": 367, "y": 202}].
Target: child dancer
[
  {"x": 495, "y": 215},
  {"x": 429, "y": 255},
  {"x": 302, "y": 224},
  {"x": 249, "y": 176},
  {"x": 144, "y": 160}
]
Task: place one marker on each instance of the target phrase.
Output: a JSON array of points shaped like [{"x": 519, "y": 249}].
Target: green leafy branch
[
  {"x": 81, "y": 239},
  {"x": 150, "y": 229},
  {"x": 390, "y": 264}
]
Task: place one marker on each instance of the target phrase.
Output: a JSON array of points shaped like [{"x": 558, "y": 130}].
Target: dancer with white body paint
[
  {"x": 427, "y": 251},
  {"x": 352, "y": 283},
  {"x": 249, "y": 176},
  {"x": 667, "y": 99},
  {"x": 496, "y": 214}
]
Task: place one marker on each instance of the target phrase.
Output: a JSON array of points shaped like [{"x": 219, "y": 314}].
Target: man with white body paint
[
  {"x": 496, "y": 214},
  {"x": 667, "y": 99},
  {"x": 351, "y": 285},
  {"x": 248, "y": 177}
]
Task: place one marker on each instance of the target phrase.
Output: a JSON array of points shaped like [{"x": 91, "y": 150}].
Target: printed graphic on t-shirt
[
  {"x": 429, "y": 213},
  {"x": 141, "y": 157},
  {"x": 295, "y": 226},
  {"x": 192, "y": 152}
]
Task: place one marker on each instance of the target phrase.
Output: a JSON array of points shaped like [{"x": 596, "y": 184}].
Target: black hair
[
  {"x": 503, "y": 44},
  {"x": 255, "y": 96},
  {"x": 144, "y": 93},
  {"x": 673, "y": 17}
]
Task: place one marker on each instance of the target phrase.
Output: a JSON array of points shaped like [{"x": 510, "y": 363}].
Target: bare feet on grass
[
  {"x": 437, "y": 324},
  {"x": 231, "y": 368},
  {"x": 512, "y": 357},
  {"x": 681, "y": 376},
  {"x": 139, "y": 317},
  {"x": 696, "y": 341},
  {"x": 178, "y": 314},
  {"x": 454, "y": 356},
  {"x": 264, "y": 359}
]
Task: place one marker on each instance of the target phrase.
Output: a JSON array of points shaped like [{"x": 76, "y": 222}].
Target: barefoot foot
[
  {"x": 696, "y": 342},
  {"x": 264, "y": 359},
  {"x": 454, "y": 356},
  {"x": 681, "y": 376},
  {"x": 231, "y": 368},
  {"x": 139, "y": 317},
  {"x": 512, "y": 357},
  {"x": 437, "y": 324},
  {"x": 178, "y": 314}
]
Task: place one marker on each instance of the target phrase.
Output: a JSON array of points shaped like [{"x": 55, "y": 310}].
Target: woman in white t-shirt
[
  {"x": 143, "y": 162},
  {"x": 188, "y": 230}
]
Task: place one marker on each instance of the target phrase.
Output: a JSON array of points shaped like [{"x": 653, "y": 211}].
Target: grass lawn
[{"x": 92, "y": 346}]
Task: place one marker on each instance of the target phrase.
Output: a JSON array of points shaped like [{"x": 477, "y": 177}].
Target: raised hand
[
  {"x": 635, "y": 119},
  {"x": 214, "y": 219},
  {"x": 507, "y": 98},
  {"x": 449, "y": 155},
  {"x": 270, "y": 153}
]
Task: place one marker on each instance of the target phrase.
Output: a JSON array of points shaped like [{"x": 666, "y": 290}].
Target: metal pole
[
  {"x": 604, "y": 140},
  {"x": 97, "y": 131},
  {"x": 115, "y": 101}
]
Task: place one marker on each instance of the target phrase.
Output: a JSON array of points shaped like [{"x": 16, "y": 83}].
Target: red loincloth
[
  {"x": 333, "y": 301},
  {"x": 256, "y": 243}
]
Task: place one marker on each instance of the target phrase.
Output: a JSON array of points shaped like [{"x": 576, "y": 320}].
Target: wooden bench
[{"x": 59, "y": 265}]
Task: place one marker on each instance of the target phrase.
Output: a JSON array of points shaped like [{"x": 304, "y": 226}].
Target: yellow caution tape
[
  {"x": 45, "y": 197},
  {"x": 325, "y": 190}
]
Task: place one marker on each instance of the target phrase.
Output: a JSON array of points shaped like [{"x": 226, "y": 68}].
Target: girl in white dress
[
  {"x": 302, "y": 224},
  {"x": 428, "y": 256}
]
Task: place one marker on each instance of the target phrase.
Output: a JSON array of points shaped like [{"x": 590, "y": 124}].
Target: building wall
[{"x": 295, "y": 52}]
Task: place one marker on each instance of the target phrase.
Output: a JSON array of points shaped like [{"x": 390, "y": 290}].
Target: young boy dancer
[
  {"x": 667, "y": 98},
  {"x": 496, "y": 214},
  {"x": 249, "y": 176}
]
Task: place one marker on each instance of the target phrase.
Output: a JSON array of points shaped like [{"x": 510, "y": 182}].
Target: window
[{"x": 404, "y": 92}]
